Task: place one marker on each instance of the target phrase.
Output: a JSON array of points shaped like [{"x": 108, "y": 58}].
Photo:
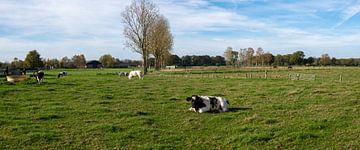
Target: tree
[
  {"x": 259, "y": 56},
  {"x": 33, "y": 60},
  {"x": 231, "y": 56},
  {"x": 65, "y": 62},
  {"x": 268, "y": 58},
  {"x": 161, "y": 41},
  {"x": 52, "y": 63},
  {"x": 218, "y": 61},
  {"x": 174, "y": 60},
  {"x": 309, "y": 61},
  {"x": 278, "y": 60},
  {"x": 242, "y": 57},
  {"x": 325, "y": 59},
  {"x": 249, "y": 56},
  {"x": 79, "y": 61},
  {"x": 334, "y": 61},
  {"x": 186, "y": 60},
  {"x": 17, "y": 63},
  {"x": 107, "y": 60},
  {"x": 297, "y": 58},
  {"x": 139, "y": 19}
]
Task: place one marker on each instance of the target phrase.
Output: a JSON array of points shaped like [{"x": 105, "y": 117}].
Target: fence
[{"x": 298, "y": 76}]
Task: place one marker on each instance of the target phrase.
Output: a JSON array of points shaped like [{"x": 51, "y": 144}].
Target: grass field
[{"x": 96, "y": 109}]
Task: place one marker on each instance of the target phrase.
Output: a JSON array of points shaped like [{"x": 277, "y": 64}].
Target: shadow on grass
[{"x": 236, "y": 109}]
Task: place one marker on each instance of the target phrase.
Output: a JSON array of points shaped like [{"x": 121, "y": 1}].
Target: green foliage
[
  {"x": 87, "y": 110},
  {"x": 33, "y": 60}
]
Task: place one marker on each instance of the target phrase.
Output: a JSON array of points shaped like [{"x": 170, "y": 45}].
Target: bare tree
[
  {"x": 325, "y": 60},
  {"x": 139, "y": 19},
  {"x": 259, "y": 56},
  {"x": 161, "y": 42},
  {"x": 249, "y": 56},
  {"x": 242, "y": 56}
]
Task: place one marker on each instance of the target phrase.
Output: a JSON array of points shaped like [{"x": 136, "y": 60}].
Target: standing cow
[
  {"x": 39, "y": 75},
  {"x": 135, "y": 73}
]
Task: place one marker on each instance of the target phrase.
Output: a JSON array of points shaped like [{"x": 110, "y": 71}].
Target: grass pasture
[{"x": 97, "y": 109}]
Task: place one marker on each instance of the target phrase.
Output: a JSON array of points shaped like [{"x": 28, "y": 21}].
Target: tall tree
[
  {"x": 259, "y": 56},
  {"x": 297, "y": 58},
  {"x": 79, "y": 61},
  {"x": 107, "y": 60},
  {"x": 139, "y": 19},
  {"x": 17, "y": 63},
  {"x": 33, "y": 60},
  {"x": 161, "y": 41},
  {"x": 325, "y": 60},
  {"x": 65, "y": 62},
  {"x": 231, "y": 56},
  {"x": 242, "y": 57},
  {"x": 249, "y": 56}
]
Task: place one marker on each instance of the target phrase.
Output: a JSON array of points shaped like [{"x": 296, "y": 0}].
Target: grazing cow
[
  {"x": 123, "y": 74},
  {"x": 135, "y": 73},
  {"x": 39, "y": 75},
  {"x": 62, "y": 73},
  {"x": 208, "y": 104}
]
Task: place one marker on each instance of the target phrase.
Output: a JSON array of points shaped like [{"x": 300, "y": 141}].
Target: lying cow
[
  {"x": 39, "y": 75},
  {"x": 208, "y": 104},
  {"x": 135, "y": 73},
  {"x": 62, "y": 73}
]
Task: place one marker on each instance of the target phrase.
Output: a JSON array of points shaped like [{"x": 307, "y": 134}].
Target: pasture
[{"x": 97, "y": 109}]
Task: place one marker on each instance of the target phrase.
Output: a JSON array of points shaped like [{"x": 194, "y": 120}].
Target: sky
[{"x": 58, "y": 28}]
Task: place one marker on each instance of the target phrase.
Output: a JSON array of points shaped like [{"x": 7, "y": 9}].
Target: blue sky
[{"x": 58, "y": 28}]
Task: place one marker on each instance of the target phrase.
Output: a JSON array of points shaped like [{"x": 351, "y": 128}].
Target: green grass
[{"x": 96, "y": 109}]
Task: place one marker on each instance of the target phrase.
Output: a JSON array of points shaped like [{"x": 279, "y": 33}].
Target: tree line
[
  {"x": 249, "y": 57},
  {"x": 33, "y": 60}
]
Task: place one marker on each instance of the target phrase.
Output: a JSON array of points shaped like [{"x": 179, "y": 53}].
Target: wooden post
[
  {"x": 340, "y": 78},
  {"x": 265, "y": 74}
]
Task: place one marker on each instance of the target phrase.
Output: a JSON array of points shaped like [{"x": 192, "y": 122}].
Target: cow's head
[{"x": 196, "y": 102}]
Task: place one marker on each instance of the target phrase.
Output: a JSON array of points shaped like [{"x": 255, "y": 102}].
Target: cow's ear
[{"x": 188, "y": 99}]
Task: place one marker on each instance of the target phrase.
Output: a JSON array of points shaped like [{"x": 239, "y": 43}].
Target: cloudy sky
[{"x": 58, "y": 28}]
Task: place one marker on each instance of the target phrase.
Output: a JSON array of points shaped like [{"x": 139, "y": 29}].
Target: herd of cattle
[{"x": 199, "y": 104}]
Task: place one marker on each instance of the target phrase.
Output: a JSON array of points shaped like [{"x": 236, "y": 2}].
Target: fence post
[
  {"x": 340, "y": 78},
  {"x": 265, "y": 74}
]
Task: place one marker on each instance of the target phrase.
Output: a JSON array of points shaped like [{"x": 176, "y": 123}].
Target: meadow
[{"x": 97, "y": 109}]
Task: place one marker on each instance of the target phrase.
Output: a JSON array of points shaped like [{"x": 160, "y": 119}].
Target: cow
[
  {"x": 123, "y": 74},
  {"x": 62, "y": 73},
  {"x": 135, "y": 73},
  {"x": 202, "y": 104},
  {"x": 39, "y": 75}
]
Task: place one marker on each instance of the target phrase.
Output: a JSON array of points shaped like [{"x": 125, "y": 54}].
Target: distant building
[{"x": 93, "y": 64}]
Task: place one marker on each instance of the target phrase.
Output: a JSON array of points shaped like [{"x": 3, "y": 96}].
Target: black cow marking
[
  {"x": 197, "y": 103},
  {"x": 213, "y": 102}
]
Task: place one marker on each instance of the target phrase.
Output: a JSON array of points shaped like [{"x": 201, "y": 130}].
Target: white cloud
[
  {"x": 66, "y": 27},
  {"x": 349, "y": 12}
]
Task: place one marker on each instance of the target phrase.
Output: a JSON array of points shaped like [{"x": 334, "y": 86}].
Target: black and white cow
[
  {"x": 123, "y": 74},
  {"x": 208, "y": 104},
  {"x": 39, "y": 75},
  {"x": 62, "y": 73}
]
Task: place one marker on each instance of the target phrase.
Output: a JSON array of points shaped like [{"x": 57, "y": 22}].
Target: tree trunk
[{"x": 145, "y": 64}]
